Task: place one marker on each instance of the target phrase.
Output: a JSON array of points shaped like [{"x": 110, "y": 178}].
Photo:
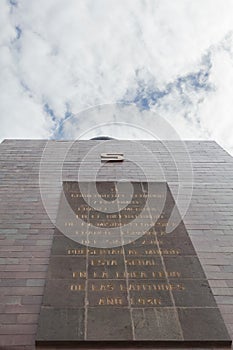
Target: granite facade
[{"x": 26, "y": 231}]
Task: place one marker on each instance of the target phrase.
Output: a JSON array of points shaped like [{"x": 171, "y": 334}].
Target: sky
[{"x": 60, "y": 60}]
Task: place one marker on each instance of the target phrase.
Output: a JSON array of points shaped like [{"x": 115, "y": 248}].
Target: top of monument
[{"x": 102, "y": 138}]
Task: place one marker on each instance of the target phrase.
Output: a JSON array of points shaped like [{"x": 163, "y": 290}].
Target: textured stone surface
[
  {"x": 53, "y": 324},
  {"x": 157, "y": 324},
  {"x": 103, "y": 285},
  {"x": 26, "y": 230}
]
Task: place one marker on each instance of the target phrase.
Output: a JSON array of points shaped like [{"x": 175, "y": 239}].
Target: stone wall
[{"x": 26, "y": 230}]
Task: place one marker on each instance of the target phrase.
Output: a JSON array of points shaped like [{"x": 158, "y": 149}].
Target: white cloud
[
  {"x": 70, "y": 55},
  {"x": 216, "y": 112}
]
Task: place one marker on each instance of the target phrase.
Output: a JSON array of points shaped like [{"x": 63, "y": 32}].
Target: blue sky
[{"x": 172, "y": 58}]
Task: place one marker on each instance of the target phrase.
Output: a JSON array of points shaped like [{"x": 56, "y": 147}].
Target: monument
[{"x": 98, "y": 249}]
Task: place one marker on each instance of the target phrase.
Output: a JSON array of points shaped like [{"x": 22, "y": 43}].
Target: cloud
[{"x": 58, "y": 58}]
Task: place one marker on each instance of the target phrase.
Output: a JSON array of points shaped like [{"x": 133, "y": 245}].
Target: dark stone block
[
  {"x": 62, "y": 244},
  {"x": 142, "y": 243},
  {"x": 109, "y": 324},
  {"x": 194, "y": 293},
  {"x": 156, "y": 324},
  {"x": 107, "y": 293},
  {"x": 61, "y": 324},
  {"x": 203, "y": 324},
  {"x": 106, "y": 266},
  {"x": 182, "y": 244},
  {"x": 61, "y": 293},
  {"x": 187, "y": 267},
  {"x": 65, "y": 267},
  {"x": 150, "y": 299}
]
